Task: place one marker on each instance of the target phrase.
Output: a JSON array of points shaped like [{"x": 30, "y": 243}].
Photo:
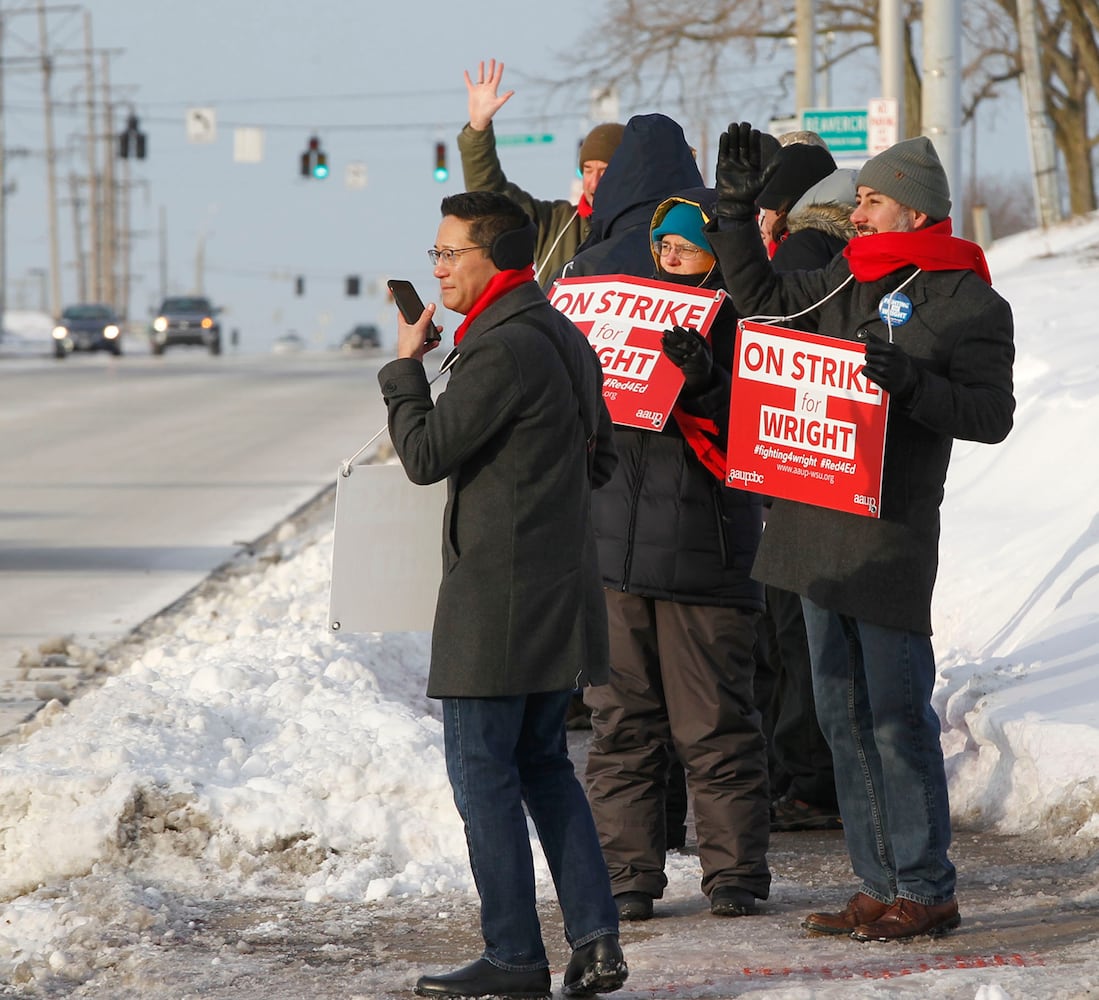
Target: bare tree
[{"x": 699, "y": 58}]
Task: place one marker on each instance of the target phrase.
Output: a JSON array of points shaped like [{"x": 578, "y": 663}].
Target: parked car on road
[
  {"x": 361, "y": 336},
  {"x": 288, "y": 343},
  {"x": 87, "y": 327},
  {"x": 186, "y": 319}
]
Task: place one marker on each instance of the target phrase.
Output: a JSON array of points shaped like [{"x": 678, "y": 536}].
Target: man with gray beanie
[
  {"x": 939, "y": 340},
  {"x": 562, "y": 226}
]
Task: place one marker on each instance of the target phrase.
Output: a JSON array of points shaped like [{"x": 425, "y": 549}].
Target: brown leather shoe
[
  {"x": 906, "y": 919},
  {"x": 860, "y": 909}
]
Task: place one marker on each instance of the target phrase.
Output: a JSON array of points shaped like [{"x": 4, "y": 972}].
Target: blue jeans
[
  {"x": 873, "y": 692},
  {"x": 502, "y": 753}
]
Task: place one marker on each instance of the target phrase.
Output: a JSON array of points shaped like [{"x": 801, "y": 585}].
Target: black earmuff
[{"x": 514, "y": 249}]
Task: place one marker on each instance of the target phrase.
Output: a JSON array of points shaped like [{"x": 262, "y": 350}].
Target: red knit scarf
[
  {"x": 499, "y": 285},
  {"x": 932, "y": 249},
  {"x": 699, "y": 433},
  {"x": 583, "y": 206}
]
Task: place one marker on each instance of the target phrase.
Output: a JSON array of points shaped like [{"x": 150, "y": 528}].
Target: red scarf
[
  {"x": 583, "y": 206},
  {"x": 499, "y": 285},
  {"x": 932, "y": 249},
  {"x": 699, "y": 433}
]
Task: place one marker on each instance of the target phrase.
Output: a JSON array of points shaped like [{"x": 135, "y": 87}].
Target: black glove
[
  {"x": 888, "y": 366},
  {"x": 745, "y": 163},
  {"x": 688, "y": 350}
]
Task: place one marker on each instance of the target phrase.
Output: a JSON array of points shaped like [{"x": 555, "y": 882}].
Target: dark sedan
[{"x": 87, "y": 328}]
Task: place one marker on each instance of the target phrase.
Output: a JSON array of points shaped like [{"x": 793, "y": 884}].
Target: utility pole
[
  {"x": 942, "y": 91},
  {"x": 1043, "y": 154},
  {"x": 805, "y": 66},
  {"x": 891, "y": 46},
  {"x": 3, "y": 190},
  {"x": 51, "y": 164},
  {"x": 78, "y": 239},
  {"x": 108, "y": 229},
  {"x": 94, "y": 208},
  {"x": 163, "y": 254}
]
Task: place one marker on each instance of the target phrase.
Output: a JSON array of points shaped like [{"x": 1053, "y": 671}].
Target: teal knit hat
[{"x": 683, "y": 220}]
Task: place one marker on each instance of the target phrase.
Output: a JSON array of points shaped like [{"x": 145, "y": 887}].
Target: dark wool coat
[
  {"x": 520, "y": 607},
  {"x": 667, "y": 527},
  {"x": 653, "y": 161},
  {"x": 561, "y": 228},
  {"x": 960, "y": 335}
]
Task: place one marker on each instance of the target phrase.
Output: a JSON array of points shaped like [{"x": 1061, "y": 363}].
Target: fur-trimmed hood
[{"x": 832, "y": 218}]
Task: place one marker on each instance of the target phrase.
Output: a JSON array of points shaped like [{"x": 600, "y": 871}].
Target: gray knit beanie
[{"x": 910, "y": 172}]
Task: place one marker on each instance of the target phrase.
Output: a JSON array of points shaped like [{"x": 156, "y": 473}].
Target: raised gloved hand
[
  {"x": 745, "y": 163},
  {"x": 888, "y": 366},
  {"x": 688, "y": 350}
]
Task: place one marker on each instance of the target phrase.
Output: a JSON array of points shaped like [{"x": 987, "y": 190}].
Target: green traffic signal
[{"x": 441, "y": 172}]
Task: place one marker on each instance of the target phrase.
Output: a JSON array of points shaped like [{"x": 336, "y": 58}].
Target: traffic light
[
  {"x": 314, "y": 161},
  {"x": 299, "y": 285},
  {"x": 131, "y": 140},
  {"x": 352, "y": 284},
  {"x": 441, "y": 172}
]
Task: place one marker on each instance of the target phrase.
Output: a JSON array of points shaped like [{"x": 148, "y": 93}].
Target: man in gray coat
[
  {"x": 939, "y": 341},
  {"x": 522, "y": 436}
]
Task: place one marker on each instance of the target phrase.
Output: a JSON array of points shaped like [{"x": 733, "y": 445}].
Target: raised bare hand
[{"x": 484, "y": 99}]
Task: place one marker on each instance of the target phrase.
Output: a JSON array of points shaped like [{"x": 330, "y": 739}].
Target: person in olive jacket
[
  {"x": 675, "y": 548},
  {"x": 522, "y": 436},
  {"x": 562, "y": 226},
  {"x": 940, "y": 342}
]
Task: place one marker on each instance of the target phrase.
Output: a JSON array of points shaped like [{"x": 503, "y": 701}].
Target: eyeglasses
[
  {"x": 448, "y": 257},
  {"x": 682, "y": 250}
]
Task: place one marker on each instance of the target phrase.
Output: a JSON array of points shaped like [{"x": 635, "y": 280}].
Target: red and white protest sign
[
  {"x": 805, "y": 423},
  {"x": 624, "y": 318}
]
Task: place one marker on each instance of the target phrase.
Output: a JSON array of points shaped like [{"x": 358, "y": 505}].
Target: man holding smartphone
[{"x": 522, "y": 436}]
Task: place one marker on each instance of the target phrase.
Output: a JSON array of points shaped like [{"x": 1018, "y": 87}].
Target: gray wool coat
[
  {"x": 520, "y": 607},
  {"x": 960, "y": 336}
]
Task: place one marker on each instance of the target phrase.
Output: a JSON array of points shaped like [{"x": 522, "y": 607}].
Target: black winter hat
[{"x": 800, "y": 166}]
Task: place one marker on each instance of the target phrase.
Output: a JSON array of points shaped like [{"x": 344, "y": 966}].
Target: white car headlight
[
  {"x": 110, "y": 332},
  {"x": 60, "y": 332},
  {"x": 160, "y": 324}
]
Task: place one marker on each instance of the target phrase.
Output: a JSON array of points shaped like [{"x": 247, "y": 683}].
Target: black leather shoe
[
  {"x": 732, "y": 901},
  {"x": 597, "y": 967},
  {"x": 483, "y": 979},
  {"x": 634, "y": 905}
]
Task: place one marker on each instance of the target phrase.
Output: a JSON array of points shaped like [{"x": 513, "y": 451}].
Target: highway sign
[
  {"x": 844, "y": 129},
  {"x": 523, "y": 140}
]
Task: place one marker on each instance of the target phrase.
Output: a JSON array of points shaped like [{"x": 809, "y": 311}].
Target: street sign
[
  {"x": 523, "y": 140},
  {"x": 202, "y": 124},
  {"x": 247, "y": 145},
  {"x": 844, "y": 129},
  {"x": 882, "y": 124},
  {"x": 354, "y": 175}
]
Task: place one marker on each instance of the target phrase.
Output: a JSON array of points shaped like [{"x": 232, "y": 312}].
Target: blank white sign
[{"x": 386, "y": 551}]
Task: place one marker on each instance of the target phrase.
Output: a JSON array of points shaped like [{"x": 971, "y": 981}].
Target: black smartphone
[{"x": 410, "y": 304}]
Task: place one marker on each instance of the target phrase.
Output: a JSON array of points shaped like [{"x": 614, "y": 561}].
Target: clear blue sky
[{"x": 379, "y": 84}]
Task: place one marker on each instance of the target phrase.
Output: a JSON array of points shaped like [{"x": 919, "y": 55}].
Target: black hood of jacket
[{"x": 652, "y": 161}]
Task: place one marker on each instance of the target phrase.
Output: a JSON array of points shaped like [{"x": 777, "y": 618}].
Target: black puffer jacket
[{"x": 666, "y": 527}]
